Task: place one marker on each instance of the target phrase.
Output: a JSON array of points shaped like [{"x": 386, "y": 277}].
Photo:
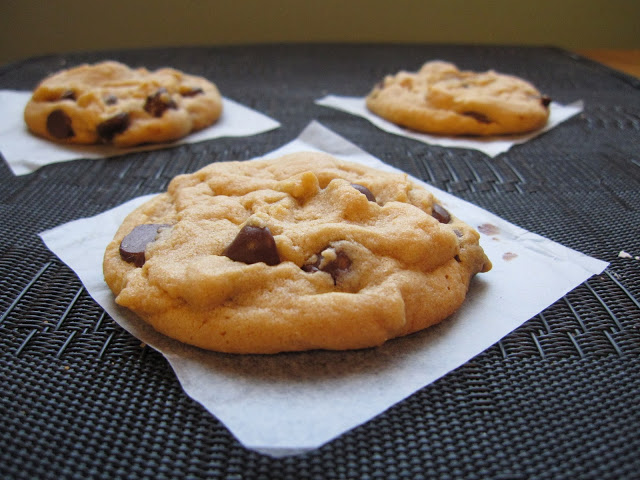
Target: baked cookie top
[
  {"x": 297, "y": 253},
  {"x": 441, "y": 99},
  {"x": 111, "y": 103}
]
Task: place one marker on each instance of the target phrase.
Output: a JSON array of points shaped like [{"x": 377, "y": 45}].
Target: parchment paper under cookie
[
  {"x": 491, "y": 146},
  {"x": 290, "y": 403},
  {"x": 25, "y": 153}
]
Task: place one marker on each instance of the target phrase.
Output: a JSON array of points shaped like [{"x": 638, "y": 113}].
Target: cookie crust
[
  {"x": 109, "y": 102},
  {"x": 440, "y": 99},
  {"x": 352, "y": 273}
]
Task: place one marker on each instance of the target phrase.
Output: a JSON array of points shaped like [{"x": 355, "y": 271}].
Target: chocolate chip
[
  {"x": 133, "y": 246},
  {"x": 340, "y": 264},
  {"x": 159, "y": 102},
  {"x": 253, "y": 245},
  {"x": 480, "y": 117},
  {"x": 310, "y": 267},
  {"x": 113, "y": 126},
  {"x": 367, "y": 193},
  {"x": 110, "y": 99},
  {"x": 545, "y": 100},
  {"x": 68, "y": 95},
  {"x": 191, "y": 91},
  {"x": 59, "y": 124},
  {"x": 313, "y": 267},
  {"x": 440, "y": 213}
]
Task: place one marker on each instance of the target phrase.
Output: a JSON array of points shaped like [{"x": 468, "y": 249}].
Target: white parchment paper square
[
  {"x": 491, "y": 146},
  {"x": 290, "y": 403},
  {"x": 25, "y": 153}
]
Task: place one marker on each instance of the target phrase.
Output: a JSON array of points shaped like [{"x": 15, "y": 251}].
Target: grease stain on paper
[{"x": 488, "y": 229}]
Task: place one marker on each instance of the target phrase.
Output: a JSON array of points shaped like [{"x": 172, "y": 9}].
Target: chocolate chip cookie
[
  {"x": 297, "y": 253},
  {"x": 440, "y": 99},
  {"x": 111, "y": 103}
]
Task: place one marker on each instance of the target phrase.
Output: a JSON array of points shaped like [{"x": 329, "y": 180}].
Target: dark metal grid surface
[{"x": 557, "y": 398}]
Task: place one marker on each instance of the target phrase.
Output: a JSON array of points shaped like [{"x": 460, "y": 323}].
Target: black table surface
[{"x": 557, "y": 398}]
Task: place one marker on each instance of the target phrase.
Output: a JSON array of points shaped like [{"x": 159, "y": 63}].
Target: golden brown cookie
[
  {"x": 111, "y": 103},
  {"x": 441, "y": 99},
  {"x": 297, "y": 253}
]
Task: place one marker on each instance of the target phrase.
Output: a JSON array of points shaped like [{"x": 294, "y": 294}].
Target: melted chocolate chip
[
  {"x": 364, "y": 190},
  {"x": 68, "y": 95},
  {"x": 310, "y": 267},
  {"x": 191, "y": 91},
  {"x": 480, "y": 117},
  {"x": 159, "y": 102},
  {"x": 341, "y": 263},
  {"x": 113, "y": 126},
  {"x": 133, "y": 246},
  {"x": 440, "y": 213},
  {"x": 545, "y": 100},
  {"x": 253, "y": 245},
  {"x": 110, "y": 99},
  {"x": 59, "y": 125}
]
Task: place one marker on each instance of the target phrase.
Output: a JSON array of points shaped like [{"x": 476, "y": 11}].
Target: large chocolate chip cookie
[{"x": 296, "y": 253}]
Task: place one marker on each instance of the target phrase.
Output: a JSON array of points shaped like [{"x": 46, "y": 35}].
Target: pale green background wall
[{"x": 34, "y": 27}]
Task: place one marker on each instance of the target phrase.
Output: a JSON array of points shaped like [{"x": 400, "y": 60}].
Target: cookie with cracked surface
[
  {"x": 440, "y": 99},
  {"x": 111, "y": 103},
  {"x": 296, "y": 253}
]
